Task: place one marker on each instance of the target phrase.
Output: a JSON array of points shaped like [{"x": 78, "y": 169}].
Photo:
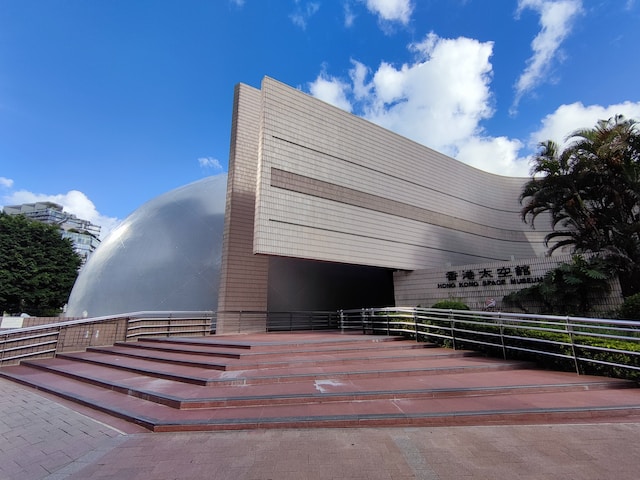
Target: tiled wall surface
[
  {"x": 335, "y": 187},
  {"x": 243, "y": 275},
  {"x": 475, "y": 283},
  {"x": 308, "y": 180}
]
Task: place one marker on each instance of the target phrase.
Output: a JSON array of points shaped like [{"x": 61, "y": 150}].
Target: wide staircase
[{"x": 319, "y": 380}]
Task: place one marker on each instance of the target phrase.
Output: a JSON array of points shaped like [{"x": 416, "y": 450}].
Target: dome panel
[{"x": 166, "y": 255}]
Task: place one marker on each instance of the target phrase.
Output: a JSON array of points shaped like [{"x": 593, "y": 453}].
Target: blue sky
[{"x": 107, "y": 104}]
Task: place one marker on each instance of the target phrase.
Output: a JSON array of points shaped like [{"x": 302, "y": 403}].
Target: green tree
[
  {"x": 37, "y": 267},
  {"x": 568, "y": 289},
  {"x": 591, "y": 192}
]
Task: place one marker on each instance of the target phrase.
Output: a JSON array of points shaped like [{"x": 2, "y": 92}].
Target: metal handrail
[
  {"x": 278, "y": 321},
  {"x": 587, "y": 342},
  {"x": 577, "y": 339},
  {"x": 22, "y": 343}
]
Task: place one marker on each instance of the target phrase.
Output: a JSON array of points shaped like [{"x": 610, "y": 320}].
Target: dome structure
[{"x": 166, "y": 255}]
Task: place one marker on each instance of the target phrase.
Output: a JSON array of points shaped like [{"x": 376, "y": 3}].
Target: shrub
[
  {"x": 451, "y": 304},
  {"x": 630, "y": 309},
  {"x": 568, "y": 289}
]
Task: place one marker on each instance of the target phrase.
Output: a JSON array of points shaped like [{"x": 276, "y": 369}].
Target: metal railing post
[
  {"x": 126, "y": 328},
  {"x": 363, "y": 321},
  {"x": 501, "y": 325},
  {"x": 573, "y": 347},
  {"x": 4, "y": 347},
  {"x": 452, "y": 326},
  {"x": 388, "y": 326}
]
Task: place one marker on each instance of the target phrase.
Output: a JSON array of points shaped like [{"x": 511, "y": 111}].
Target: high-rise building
[{"x": 83, "y": 234}]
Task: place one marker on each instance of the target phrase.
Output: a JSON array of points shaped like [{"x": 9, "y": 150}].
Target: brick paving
[
  {"x": 43, "y": 438},
  {"x": 39, "y": 436}
]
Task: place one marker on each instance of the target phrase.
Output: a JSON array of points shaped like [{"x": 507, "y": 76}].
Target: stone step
[
  {"x": 436, "y": 361},
  {"x": 319, "y": 380},
  {"x": 329, "y": 389},
  {"x": 283, "y": 359},
  {"x": 288, "y": 341},
  {"x": 175, "y": 358},
  {"x": 584, "y": 405},
  {"x": 214, "y": 350}
]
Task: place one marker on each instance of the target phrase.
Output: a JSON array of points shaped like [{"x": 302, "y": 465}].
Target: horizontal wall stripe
[
  {"x": 354, "y": 192},
  {"x": 361, "y": 236},
  {"x": 329, "y": 191},
  {"x": 402, "y": 179}
]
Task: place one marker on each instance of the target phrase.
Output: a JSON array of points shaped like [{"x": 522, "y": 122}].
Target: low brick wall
[
  {"x": 46, "y": 336},
  {"x": 79, "y": 337},
  {"x": 8, "y": 323}
]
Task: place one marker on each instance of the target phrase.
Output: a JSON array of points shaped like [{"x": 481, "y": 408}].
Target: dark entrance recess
[{"x": 305, "y": 285}]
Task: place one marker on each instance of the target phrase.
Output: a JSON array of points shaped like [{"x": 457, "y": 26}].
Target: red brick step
[{"x": 318, "y": 380}]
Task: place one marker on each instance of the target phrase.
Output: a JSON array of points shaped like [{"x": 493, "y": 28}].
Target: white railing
[
  {"x": 589, "y": 345},
  {"x": 47, "y": 340}
]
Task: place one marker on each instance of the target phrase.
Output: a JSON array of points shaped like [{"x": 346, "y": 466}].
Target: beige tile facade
[
  {"x": 243, "y": 275},
  {"x": 308, "y": 180},
  {"x": 337, "y": 188}
]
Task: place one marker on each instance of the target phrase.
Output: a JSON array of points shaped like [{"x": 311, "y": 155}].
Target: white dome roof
[{"x": 164, "y": 256}]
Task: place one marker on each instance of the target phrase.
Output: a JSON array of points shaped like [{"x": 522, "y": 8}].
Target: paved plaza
[{"x": 47, "y": 438}]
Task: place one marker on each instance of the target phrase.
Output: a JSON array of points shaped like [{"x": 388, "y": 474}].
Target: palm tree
[{"x": 591, "y": 193}]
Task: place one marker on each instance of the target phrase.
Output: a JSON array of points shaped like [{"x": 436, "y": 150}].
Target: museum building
[
  {"x": 326, "y": 210},
  {"x": 323, "y": 211}
]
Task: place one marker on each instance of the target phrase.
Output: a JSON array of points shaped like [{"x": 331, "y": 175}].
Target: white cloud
[
  {"x": 497, "y": 155},
  {"x": 331, "y": 90},
  {"x": 210, "y": 163},
  {"x": 74, "y": 202},
  {"x": 391, "y": 10},
  {"x": 6, "y": 182},
  {"x": 349, "y": 16},
  {"x": 441, "y": 98},
  {"x": 556, "y": 18},
  {"x": 569, "y": 118},
  {"x": 358, "y": 75},
  {"x": 438, "y": 100},
  {"x": 303, "y": 13}
]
